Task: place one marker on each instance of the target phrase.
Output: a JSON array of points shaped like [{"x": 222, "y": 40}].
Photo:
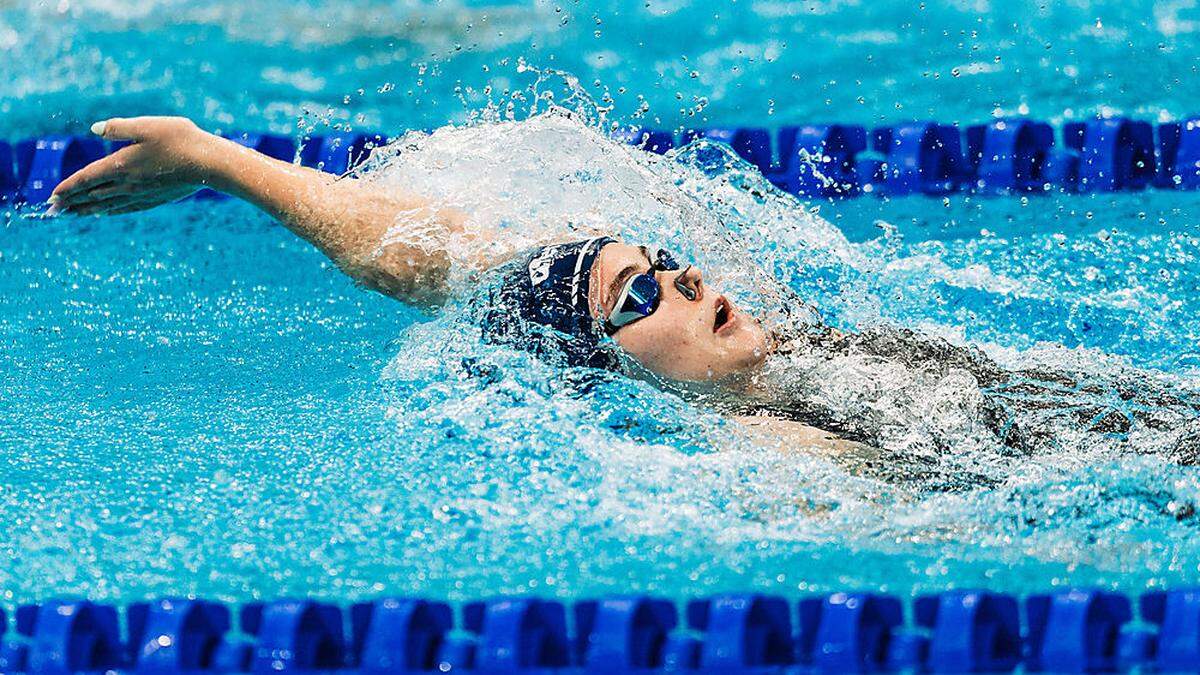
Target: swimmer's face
[{"x": 707, "y": 338}]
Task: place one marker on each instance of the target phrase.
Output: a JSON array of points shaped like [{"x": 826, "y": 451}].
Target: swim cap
[{"x": 549, "y": 288}]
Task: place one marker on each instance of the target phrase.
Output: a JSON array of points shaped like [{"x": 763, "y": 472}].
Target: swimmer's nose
[{"x": 689, "y": 283}]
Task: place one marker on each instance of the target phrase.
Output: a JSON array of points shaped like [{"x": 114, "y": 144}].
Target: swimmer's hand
[{"x": 165, "y": 161}]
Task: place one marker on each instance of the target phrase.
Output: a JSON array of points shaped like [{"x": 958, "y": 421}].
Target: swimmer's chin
[
  {"x": 744, "y": 378},
  {"x": 748, "y": 348}
]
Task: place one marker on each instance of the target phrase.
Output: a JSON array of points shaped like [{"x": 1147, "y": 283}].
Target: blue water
[{"x": 196, "y": 402}]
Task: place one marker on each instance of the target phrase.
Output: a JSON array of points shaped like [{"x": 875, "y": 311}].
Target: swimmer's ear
[{"x": 117, "y": 129}]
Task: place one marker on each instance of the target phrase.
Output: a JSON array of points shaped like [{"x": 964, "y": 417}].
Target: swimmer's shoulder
[{"x": 799, "y": 436}]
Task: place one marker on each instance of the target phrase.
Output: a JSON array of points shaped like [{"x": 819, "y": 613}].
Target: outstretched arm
[{"x": 352, "y": 221}]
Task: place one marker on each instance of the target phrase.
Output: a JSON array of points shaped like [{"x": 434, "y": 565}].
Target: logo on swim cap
[{"x": 539, "y": 267}]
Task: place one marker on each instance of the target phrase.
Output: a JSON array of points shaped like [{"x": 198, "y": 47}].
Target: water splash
[{"x": 609, "y": 452}]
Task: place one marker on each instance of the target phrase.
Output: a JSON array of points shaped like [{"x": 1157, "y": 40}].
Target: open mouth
[{"x": 723, "y": 314}]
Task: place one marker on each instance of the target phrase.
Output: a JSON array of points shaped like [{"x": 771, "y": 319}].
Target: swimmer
[{"x": 633, "y": 308}]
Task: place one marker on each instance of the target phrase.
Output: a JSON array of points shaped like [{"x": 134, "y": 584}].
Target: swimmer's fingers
[
  {"x": 95, "y": 194},
  {"x": 139, "y": 190},
  {"x": 121, "y": 129},
  {"x": 105, "y": 170},
  {"x": 99, "y": 173},
  {"x": 123, "y": 172},
  {"x": 104, "y": 191},
  {"x": 130, "y": 206},
  {"x": 102, "y": 206},
  {"x": 125, "y": 201}
]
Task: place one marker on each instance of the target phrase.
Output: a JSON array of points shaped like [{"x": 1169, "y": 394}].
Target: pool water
[{"x": 196, "y": 402}]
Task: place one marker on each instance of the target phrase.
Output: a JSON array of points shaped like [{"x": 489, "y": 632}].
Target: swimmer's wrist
[
  {"x": 192, "y": 153},
  {"x": 273, "y": 185},
  {"x": 219, "y": 163}
]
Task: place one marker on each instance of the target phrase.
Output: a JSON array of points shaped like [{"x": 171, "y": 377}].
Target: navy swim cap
[{"x": 549, "y": 289}]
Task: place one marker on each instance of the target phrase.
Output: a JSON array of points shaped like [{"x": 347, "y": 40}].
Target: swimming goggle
[{"x": 640, "y": 295}]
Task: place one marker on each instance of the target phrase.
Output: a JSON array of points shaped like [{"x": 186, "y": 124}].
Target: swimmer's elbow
[
  {"x": 424, "y": 286},
  {"x": 417, "y": 294}
]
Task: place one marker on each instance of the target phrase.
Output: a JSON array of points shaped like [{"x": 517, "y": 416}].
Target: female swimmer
[{"x": 603, "y": 303}]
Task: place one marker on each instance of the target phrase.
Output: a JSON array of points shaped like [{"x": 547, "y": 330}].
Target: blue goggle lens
[{"x": 643, "y": 296}]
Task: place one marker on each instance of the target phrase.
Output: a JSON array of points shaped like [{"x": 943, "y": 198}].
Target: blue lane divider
[
  {"x": 67, "y": 636},
  {"x": 398, "y": 635},
  {"x": 1009, "y": 155},
  {"x": 1075, "y": 631},
  {"x": 681, "y": 652},
  {"x": 338, "y": 153},
  {"x": 1177, "y": 616},
  {"x": 1014, "y": 155},
  {"x": 741, "y": 633},
  {"x": 1179, "y": 155},
  {"x": 921, "y": 157},
  {"x": 818, "y": 160},
  {"x": 1114, "y": 154},
  {"x": 518, "y": 635},
  {"x": 623, "y": 633},
  {"x": 1069, "y": 631},
  {"x": 972, "y": 631},
  {"x": 848, "y": 632},
  {"x": 172, "y": 634},
  {"x": 294, "y": 635}
]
